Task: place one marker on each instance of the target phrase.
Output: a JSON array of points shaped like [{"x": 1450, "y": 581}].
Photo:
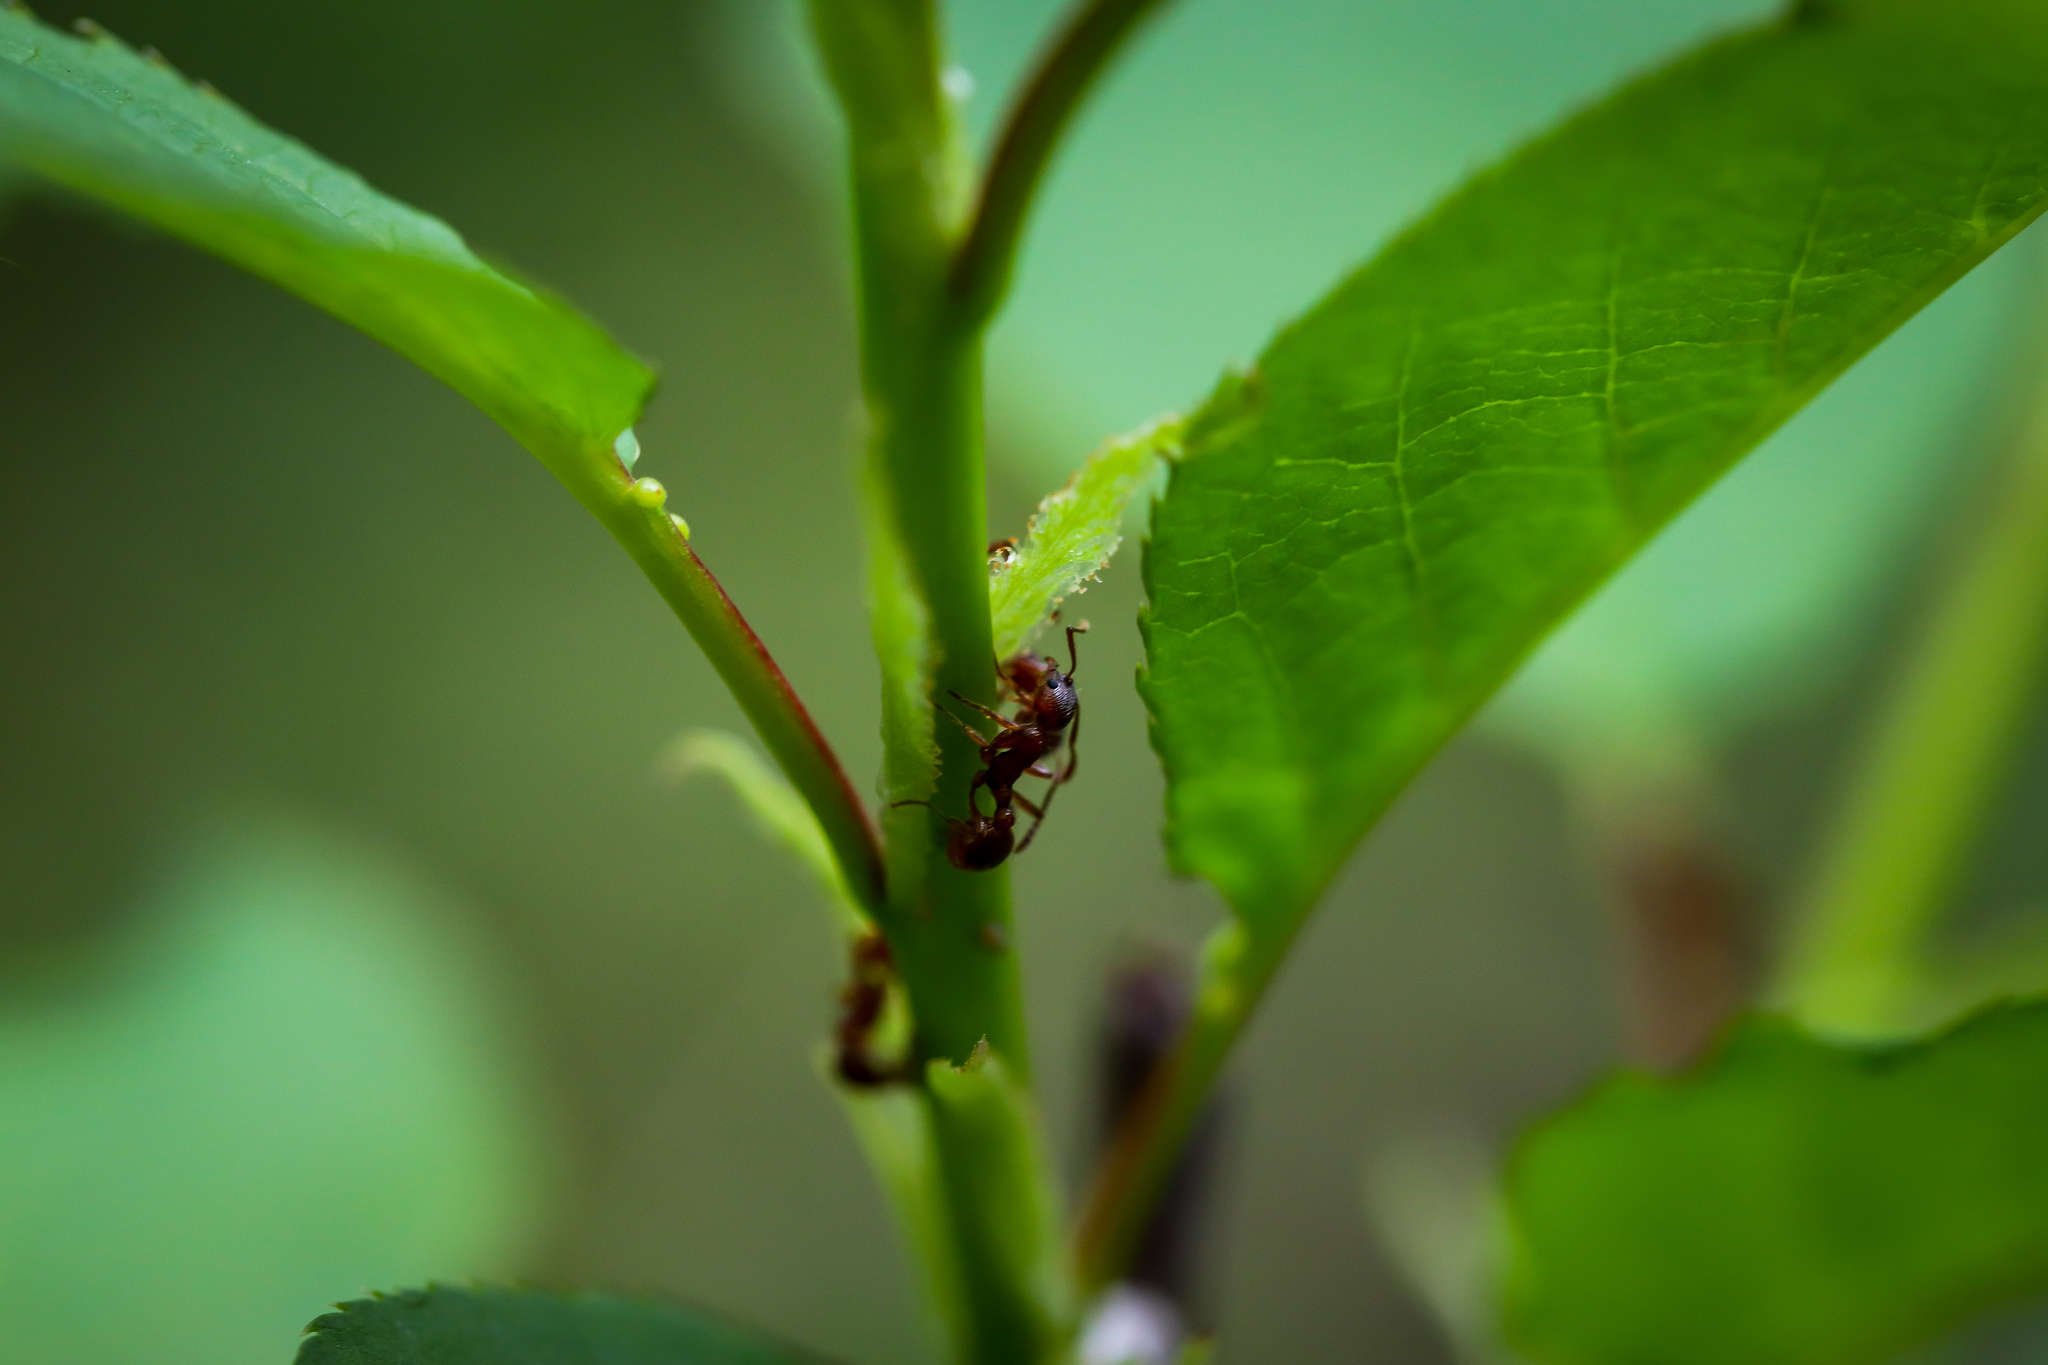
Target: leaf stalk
[{"x": 635, "y": 512}]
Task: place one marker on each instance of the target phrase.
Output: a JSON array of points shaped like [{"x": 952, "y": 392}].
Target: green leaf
[
  {"x": 1074, "y": 534},
  {"x": 1789, "y": 1202},
  {"x": 1421, "y": 477},
  {"x": 93, "y": 115},
  {"x": 490, "y": 1326}
]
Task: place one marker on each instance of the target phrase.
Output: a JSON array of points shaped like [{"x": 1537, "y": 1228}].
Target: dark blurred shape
[
  {"x": 1147, "y": 1006},
  {"x": 1684, "y": 912},
  {"x": 860, "y": 1014}
]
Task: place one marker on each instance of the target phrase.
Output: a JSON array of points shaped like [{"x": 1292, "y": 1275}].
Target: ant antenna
[{"x": 1073, "y": 659}]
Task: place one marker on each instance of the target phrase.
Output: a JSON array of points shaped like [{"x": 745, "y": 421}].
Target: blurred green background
[{"x": 347, "y": 937}]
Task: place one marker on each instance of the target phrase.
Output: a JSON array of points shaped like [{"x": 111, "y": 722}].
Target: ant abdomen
[{"x": 981, "y": 844}]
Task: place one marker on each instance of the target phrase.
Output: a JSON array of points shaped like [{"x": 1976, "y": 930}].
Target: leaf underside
[
  {"x": 491, "y": 1326},
  {"x": 1074, "y": 533},
  {"x": 1788, "y": 1203},
  {"x": 776, "y": 807},
  {"x": 1423, "y": 475},
  {"x": 127, "y": 130}
]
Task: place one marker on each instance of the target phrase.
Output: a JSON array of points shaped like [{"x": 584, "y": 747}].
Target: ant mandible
[{"x": 1049, "y": 712}]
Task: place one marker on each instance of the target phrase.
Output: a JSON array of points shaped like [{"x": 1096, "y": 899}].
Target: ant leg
[
  {"x": 894, "y": 804},
  {"x": 999, "y": 719},
  {"x": 1030, "y": 807},
  {"x": 1038, "y": 818},
  {"x": 1040, "y": 770},
  {"x": 1073, "y": 748},
  {"x": 1066, "y": 776},
  {"x": 980, "y": 740}
]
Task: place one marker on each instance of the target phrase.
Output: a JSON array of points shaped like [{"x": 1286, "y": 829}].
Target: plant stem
[
  {"x": 921, "y": 377},
  {"x": 949, "y": 930},
  {"x": 634, "y": 511},
  {"x": 928, "y": 284},
  {"x": 1933, "y": 760},
  {"x": 1067, "y": 70}
]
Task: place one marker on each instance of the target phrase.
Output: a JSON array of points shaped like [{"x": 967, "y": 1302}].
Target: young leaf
[
  {"x": 489, "y": 1326},
  {"x": 775, "y": 806},
  {"x": 1788, "y": 1203},
  {"x": 1074, "y": 534},
  {"x": 1370, "y": 529},
  {"x": 93, "y": 115}
]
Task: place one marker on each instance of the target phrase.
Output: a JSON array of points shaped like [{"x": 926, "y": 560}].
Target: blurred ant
[
  {"x": 1049, "y": 711},
  {"x": 860, "y": 1011}
]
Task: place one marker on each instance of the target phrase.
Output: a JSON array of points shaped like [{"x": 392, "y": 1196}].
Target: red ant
[
  {"x": 1050, "y": 710},
  {"x": 860, "y": 1011}
]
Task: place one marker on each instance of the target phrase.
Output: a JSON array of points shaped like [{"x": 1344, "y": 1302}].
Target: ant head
[{"x": 1055, "y": 702}]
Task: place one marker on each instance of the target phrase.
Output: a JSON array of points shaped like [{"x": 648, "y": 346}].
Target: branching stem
[{"x": 1094, "y": 32}]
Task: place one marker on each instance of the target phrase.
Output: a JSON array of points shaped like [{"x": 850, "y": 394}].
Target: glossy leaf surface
[
  {"x": 529, "y": 1327},
  {"x": 111, "y": 124},
  {"x": 1790, "y": 1202},
  {"x": 1423, "y": 475}
]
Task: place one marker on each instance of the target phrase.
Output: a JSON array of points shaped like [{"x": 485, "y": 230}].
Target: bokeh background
[{"x": 347, "y": 934}]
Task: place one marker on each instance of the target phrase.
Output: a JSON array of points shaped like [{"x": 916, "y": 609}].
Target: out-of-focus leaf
[
  {"x": 1074, "y": 534},
  {"x": 1430, "y": 1198},
  {"x": 284, "y": 1085},
  {"x": 783, "y": 815},
  {"x": 93, "y": 115},
  {"x": 1423, "y": 475},
  {"x": 893, "y": 1124},
  {"x": 491, "y": 1326},
  {"x": 1789, "y": 1202}
]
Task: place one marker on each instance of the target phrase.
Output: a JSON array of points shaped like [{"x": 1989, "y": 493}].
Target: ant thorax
[{"x": 1026, "y": 671}]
